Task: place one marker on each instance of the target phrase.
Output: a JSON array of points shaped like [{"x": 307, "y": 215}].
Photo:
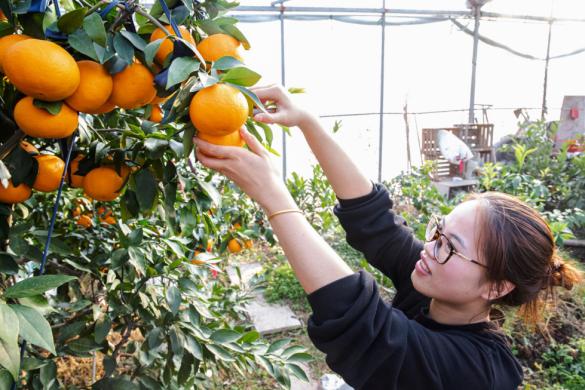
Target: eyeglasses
[{"x": 443, "y": 249}]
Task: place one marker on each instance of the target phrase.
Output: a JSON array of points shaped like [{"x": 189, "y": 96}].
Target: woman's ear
[{"x": 498, "y": 290}]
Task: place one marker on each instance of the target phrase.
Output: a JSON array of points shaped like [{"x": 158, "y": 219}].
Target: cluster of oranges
[
  {"x": 84, "y": 217},
  {"x": 43, "y": 70}
]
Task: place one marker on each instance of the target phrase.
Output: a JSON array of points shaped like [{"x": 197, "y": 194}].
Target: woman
[{"x": 437, "y": 333}]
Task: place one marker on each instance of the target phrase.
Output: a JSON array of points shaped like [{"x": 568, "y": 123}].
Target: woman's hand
[
  {"x": 252, "y": 170},
  {"x": 286, "y": 114}
]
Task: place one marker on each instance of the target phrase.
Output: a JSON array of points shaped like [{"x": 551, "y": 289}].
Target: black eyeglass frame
[{"x": 435, "y": 224}]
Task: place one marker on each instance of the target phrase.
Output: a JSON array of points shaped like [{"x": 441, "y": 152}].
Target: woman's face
[{"x": 458, "y": 281}]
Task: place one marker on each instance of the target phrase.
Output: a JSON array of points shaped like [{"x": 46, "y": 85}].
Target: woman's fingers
[
  {"x": 210, "y": 162},
  {"x": 212, "y": 150},
  {"x": 252, "y": 142}
]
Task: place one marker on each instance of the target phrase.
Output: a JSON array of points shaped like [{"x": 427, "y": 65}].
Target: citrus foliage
[{"x": 100, "y": 82}]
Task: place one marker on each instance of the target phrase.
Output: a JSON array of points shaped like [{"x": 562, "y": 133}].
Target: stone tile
[
  {"x": 247, "y": 270},
  {"x": 271, "y": 318}
]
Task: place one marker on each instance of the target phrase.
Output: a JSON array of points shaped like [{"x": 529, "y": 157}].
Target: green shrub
[{"x": 282, "y": 285}]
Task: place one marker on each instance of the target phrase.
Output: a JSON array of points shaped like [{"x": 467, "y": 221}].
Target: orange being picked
[
  {"x": 156, "y": 114},
  {"x": 39, "y": 123},
  {"x": 166, "y": 47},
  {"x": 133, "y": 87},
  {"x": 41, "y": 69},
  {"x": 75, "y": 181},
  {"x": 104, "y": 183},
  {"x": 231, "y": 139},
  {"x": 216, "y": 46},
  {"x": 234, "y": 246},
  {"x": 95, "y": 87},
  {"x": 218, "y": 110},
  {"x": 6, "y": 43},
  {"x": 13, "y": 194},
  {"x": 50, "y": 172},
  {"x": 28, "y": 147}
]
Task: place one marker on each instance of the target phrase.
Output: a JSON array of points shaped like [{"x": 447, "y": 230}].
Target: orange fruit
[
  {"x": 159, "y": 100},
  {"x": 249, "y": 244},
  {"x": 28, "y": 147},
  {"x": 76, "y": 180},
  {"x": 234, "y": 246},
  {"x": 104, "y": 183},
  {"x": 232, "y": 139},
  {"x": 156, "y": 114},
  {"x": 107, "y": 107},
  {"x": 195, "y": 260},
  {"x": 209, "y": 245},
  {"x": 108, "y": 220},
  {"x": 39, "y": 123},
  {"x": 237, "y": 225},
  {"x": 218, "y": 110},
  {"x": 94, "y": 88},
  {"x": 2, "y": 16},
  {"x": 76, "y": 211},
  {"x": 216, "y": 46},
  {"x": 85, "y": 221},
  {"x": 50, "y": 172},
  {"x": 13, "y": 194},
  {"x": 6, "y": 43},
  {"x": 166, "y": 47},
  {"x": 41, "y": 69},
  {"x": 133, "y": 87}
]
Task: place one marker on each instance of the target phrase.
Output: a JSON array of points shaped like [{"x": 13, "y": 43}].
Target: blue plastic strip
[
  {"x": 57, "y": 9},
  {"x": 110, "y": 6},
  {"x": 167, "y": 12},
  {"x": 51, "y": 228}
]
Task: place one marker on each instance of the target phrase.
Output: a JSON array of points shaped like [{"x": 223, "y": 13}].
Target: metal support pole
[
  {"x": 381, "y": 142},
  {"x": 282, "y": 80},
  {"x": 470, "y": 119},
  {"x": 545, "y": 86}
]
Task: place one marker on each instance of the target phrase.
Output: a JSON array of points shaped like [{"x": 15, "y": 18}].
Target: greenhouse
[{"x": 290, "y": 194}]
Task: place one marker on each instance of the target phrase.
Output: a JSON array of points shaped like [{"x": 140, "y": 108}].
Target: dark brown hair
[{"x": 518, "y": 246}]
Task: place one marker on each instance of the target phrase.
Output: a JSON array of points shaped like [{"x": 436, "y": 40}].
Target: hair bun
[{"x": 563, "y": 274}]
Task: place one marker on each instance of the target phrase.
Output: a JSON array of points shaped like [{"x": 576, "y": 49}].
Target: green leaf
[
  {"x": 252, "y": 96},
  {"x": 123, "y": 48},
  {"x": 9, "y": 351},
  {"x": 134, "y": 39},
  {"x": 39, "y": 303},
  {"x": 8, "y": 265},
  {"x": 5, "y": 379},
  {"x": 102, "y": 329},
  {"x": 81, "y": 42},
  {"x": 220, "y": 352},
  {"x": 83, "y": 345},
  {"x": 173, "y": 296},
  {"x": 193, "y": 347},
  {"x": 186, "y": 368},
  {"x": 188, "y": 135},
  {"x": 34, "y": 328},
  {"x": 279, "y": 344},
  {"x": 301, "y": 357},
  {"x": 211, "y": 191},
  {"x": 146, "y": 189},
  {"x": 227, "y": 62},
  {"x": 297, "y": 371},
  {"x": 36, "y": 285},
  {"x": 250, "y": 337},
  {"x": 236, "y": 33},
  {"x": 52, "y": 108},
  {"x": 180, "y": 70},
  {"x": 151, "y": 49},
  {"x": 241, "y": 76},
  {"x": 48, "y": 376},
  {"x": 71, "y": 21},
  {"x": 115, "y": 384},
  {"x": 225, "y": 336},
  {"x": 94, "y": 26},
  {"x": 135, "y": 237}
]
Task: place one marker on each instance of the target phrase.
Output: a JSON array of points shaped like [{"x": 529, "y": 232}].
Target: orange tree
[{"x": 125, "y": 261}]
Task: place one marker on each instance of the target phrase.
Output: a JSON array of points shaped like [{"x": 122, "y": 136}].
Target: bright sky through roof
[{"x": 428, "y": 66}]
